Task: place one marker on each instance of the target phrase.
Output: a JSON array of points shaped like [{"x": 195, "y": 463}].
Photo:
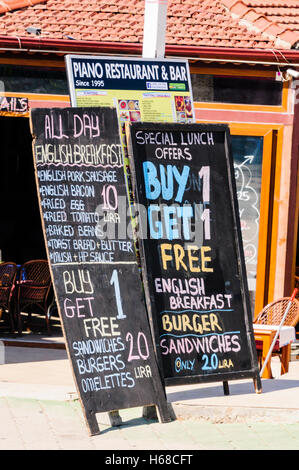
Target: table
[{"x": 266, "y": 334}]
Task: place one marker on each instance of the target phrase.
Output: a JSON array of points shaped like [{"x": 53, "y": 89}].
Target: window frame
[{"x": 237, "y": 106}]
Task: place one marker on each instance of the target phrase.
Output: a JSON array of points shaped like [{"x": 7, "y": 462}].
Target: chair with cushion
[
  {"x": 272, "y": 314},
  {"x": 8, "y": 271},
  {"x": 33, "y": 289}
]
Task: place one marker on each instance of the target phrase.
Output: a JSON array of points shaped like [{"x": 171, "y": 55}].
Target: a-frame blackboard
[
  {"x": 82, "y": 193},
  {"x": 191, "y": 252}
]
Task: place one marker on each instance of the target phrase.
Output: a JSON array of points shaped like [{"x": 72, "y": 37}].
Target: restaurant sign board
[
  {"x": 191, "y": 252},
  {"x": 147, "y": 90},
  {"x": 80, "y": 180}
]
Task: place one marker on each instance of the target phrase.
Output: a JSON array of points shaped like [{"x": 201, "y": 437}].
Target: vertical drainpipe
[{"x": 155, "y": 15}]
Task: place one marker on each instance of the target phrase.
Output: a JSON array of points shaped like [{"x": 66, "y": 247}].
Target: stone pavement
[{"x": 39, "y": 410}]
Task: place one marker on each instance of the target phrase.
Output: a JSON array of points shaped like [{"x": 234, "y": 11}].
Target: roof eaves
[{"x": 62, "y": 47}]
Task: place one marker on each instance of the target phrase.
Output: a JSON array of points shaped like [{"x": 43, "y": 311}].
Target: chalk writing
[
  {"x": 13, "y": 104},
  {"x": 79, "y": 168},
  {"x": 193, "y": 281}
]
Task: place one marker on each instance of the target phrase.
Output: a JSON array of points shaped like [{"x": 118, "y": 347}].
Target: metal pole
[
  {"x": 155, "y": 16},
  {"x": 278, "y": 331}
]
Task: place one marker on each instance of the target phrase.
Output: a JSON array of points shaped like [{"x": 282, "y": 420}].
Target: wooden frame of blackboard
[
  {"x": 91, "y": 405},
  {"x": 253, "y": 371}
]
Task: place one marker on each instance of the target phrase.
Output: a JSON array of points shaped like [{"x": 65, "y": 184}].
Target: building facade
[{"x": 239, "y": 56}]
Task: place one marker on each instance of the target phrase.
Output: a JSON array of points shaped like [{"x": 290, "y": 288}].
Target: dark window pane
[
  {"x": 239, "y": 90},
  {"x": 33, "y": 80},
  {"x": 202, "y": 87},
  {"x": 247, "y": 91}
]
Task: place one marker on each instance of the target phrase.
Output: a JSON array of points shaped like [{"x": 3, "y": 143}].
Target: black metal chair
[
  {"x": 33, "y": 289},
  {"x": 8, "y": 272}
]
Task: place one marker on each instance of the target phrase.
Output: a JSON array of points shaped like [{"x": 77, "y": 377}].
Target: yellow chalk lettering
[
  {"x": 196, "y": 323},
  {"x": 193, "y": 269},
  {"x": 186, "y": 322},
  {"x": 205, "y": 259},
  {"x": 214, "y": 322},
  {"x": 205, "y": 322},
  {"x": 179, "y": 254},
  {"x": 167, "y": 326},
  {"x": 194, "y": 258},
  {"x": 165, "y": 257}
]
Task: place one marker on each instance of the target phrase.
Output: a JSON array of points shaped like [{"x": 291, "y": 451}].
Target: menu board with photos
[
  {"x": 191, "y": 252},
  {"x": 147, "y": 90},
  {"x": 80, "y": 180}
]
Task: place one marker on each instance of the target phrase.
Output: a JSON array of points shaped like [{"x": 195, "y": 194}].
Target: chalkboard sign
[
  {"x": 81, "y": 186},
  {"x": 191, "y": 252}
]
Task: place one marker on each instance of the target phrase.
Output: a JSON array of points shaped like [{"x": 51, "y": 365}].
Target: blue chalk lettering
[
  {"x": 186, "y": 212},
  {"x": 167, "y": 188},
  {"x": 155, "y": 225},
  {"x": 151, "y": 181},
  {"x": 170, "y": 223},
  {"x": 182, "y": 181},
  {"x": 154, "y": 187}
]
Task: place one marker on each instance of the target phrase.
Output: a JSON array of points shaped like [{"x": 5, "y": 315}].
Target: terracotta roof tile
[
  {"x": 229, "y": 3},
  {"x": 251, "y": 15},
  {"x": 288, "y": 35},
  {"x": 274, "y": 30},
  {"x": 239, "y": 8},
  {"x": 262, "y": 23}
]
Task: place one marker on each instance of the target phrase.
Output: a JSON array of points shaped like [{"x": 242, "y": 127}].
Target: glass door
[
  {"x": 253, "y": 152},
  {"x": 248, "y": 160}
]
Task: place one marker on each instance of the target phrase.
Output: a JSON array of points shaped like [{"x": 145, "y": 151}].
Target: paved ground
[
  {"x": 39, "y": 410},
  {"x": 37, "y": 424}
]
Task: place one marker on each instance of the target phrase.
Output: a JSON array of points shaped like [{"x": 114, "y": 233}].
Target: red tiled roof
[
  {"x": 278, "y": 19},
  {"x": 220, "y": 23}
]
